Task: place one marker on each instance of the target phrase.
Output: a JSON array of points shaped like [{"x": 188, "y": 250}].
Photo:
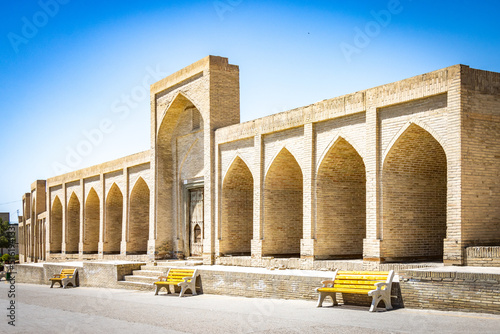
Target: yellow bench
[
  {"x": 185, "y": 278},
  {"x": 376, "y": 284},
  {"x": 67, "y": 276}
]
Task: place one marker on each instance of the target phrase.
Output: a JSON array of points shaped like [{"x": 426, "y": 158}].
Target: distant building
[{"x": 407, "y": 171}]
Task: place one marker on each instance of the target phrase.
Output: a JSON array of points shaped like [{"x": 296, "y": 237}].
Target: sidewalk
[{"x": 39, "y": 309}]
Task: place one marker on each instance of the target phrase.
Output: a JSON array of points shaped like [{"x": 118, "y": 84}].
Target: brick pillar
[
  {"x": 453, "y": 253},
  {"x": 82, "y": 218},
  {"x": 64, "y": 218},
  {"x": 258, "y": 167},
  {"x": 102, "y": 216},
  {"x": 372, "y": 242},
  {"x": 308, "y": 238},
  {"x": 126, "y": 199}
]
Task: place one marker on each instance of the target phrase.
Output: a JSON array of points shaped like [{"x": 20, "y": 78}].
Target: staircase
[{"x": 144, "y": 278}]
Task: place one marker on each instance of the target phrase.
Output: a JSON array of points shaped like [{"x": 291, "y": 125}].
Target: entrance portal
[{"x": 196, "y": 221}]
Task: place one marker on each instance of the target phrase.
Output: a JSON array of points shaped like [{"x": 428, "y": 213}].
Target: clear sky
[{"x": 66, "y": 66}]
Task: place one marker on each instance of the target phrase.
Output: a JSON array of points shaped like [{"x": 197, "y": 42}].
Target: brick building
[{"x": 408, "y": 171}]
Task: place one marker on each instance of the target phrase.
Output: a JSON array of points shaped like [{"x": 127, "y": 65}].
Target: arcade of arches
[{"x": 404, "y": 172}]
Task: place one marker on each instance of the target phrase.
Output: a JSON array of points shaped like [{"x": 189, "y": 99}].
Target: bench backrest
[
  {"x": 362, "y": 280},
  {"x": 67, "y": 272},
  {"x": 177, "y": 275}
]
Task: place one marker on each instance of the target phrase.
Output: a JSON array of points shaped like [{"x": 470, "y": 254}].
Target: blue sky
[{"x": 65, "y": 65}]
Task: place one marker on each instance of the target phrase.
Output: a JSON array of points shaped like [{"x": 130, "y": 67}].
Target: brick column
[
  {"x": 453, "y": 253},
  {"x": 82, "y": 218},
  {"x": 372, "y": 242},
  {"x": 258, "y": 168},
  {"x": 126, "y": 200},
  {"x": 64, "y": 217},
  {"x": 102, "y": 217},
  {"x": 309, "y": 223}
]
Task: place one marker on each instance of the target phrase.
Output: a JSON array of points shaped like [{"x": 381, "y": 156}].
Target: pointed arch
[
  {"x": 138, "y": 232},
  {"x": 341, "y": 203},
  {"x": 409, "y": 124},
  {"x": 56, "y": 224},
  {"x": 231, "y": 163},
  {"x": 73, "y": 225},
  {"x": 174, "y": 118},
  {"x": 414, "y": 195},
  {"x": 340, "y": 136},
  {"x": 237, "y": 210},
  {"x": 91, "y": 223},
  {"x": 114, "y": 221},
  {"x": 283, "y": 211},
  {"x": 283, "y": 150}
]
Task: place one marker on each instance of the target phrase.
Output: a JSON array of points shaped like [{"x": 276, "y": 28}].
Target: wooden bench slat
[{"x": 342, "y": 290}]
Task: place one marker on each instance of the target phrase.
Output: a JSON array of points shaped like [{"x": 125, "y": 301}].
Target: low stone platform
[{"x": 427, "y": 286}]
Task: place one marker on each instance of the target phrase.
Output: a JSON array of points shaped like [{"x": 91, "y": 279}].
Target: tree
[{"x": 4, "y": 234}]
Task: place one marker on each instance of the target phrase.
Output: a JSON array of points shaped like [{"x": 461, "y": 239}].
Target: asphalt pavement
[{"x": 39, "y": 309}]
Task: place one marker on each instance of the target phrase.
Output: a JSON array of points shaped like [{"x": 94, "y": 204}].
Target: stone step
[
  {"x": 159, "y": 269},
  {"x": 136, "y": 286},
  {"x": 148, "y": 273},
  {"x": 179, "y": 263},
  {"x": 140, "y": 279}
]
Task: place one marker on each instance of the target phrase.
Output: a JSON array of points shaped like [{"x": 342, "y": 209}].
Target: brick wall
[
  {"x": 481, "y": 159},
  {"x": 451, "y": 291}
]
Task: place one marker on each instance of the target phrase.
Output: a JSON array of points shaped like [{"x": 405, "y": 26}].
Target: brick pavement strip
[{"x": 93, "y": 310}]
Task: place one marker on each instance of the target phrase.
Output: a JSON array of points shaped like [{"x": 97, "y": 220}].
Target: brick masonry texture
[
  {"x": 407, "y": 171},
  {"x": 451, "y": 291}
]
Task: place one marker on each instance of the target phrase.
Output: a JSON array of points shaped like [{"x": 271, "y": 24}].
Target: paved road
[{"x": 39, "y": 309}]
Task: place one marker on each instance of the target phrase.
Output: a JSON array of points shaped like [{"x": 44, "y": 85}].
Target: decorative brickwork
[{"x": 483, "y": 256}]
